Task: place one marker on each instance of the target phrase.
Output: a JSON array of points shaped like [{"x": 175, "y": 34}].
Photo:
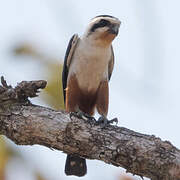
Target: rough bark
[{"x": 28, "y": 124}]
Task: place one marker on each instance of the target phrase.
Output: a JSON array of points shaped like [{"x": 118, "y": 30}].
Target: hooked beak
[{"x": 114, "y": 29}]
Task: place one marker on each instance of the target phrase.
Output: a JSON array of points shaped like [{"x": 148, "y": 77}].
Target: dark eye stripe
[{"x": 101, "y": 23}]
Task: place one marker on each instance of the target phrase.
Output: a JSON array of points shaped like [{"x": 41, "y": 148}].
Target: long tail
[{"x": 75, "y": 165}]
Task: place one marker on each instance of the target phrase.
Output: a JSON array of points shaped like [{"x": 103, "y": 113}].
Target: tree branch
[{"x": 28, "y": 124}]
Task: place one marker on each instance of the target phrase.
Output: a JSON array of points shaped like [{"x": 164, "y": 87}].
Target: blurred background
[{"x": 144, "y": 88}]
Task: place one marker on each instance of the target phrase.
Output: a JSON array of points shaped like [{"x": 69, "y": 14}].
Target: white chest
[{"x": 90, "y": 65}]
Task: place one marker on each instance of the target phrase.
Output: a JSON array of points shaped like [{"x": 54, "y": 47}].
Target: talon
[
  {"x": 113, "y": 120},
  {"x": 71, "y": 114},
  {"x": 84, "y": 116},
  {"x": 91, "y": 120},
  {"x": 103, "y": 121}
]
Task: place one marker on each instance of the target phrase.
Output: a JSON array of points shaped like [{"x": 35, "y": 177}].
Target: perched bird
[{"x": 88, "y": 65}]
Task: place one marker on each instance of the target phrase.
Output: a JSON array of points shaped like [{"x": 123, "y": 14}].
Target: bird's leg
[
  {"x": 80, "y": 114},
  {"x": 103, "y": 121}
]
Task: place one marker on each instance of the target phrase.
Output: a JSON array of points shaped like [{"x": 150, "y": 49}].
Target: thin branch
[{"x": 28, "y": 124}]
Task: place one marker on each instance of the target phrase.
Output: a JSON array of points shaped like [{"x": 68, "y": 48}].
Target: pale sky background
[{"x": 144, "y": 88}]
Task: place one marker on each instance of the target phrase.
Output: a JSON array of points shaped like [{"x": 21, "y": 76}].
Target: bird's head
[{"x": 103, "y": 29}]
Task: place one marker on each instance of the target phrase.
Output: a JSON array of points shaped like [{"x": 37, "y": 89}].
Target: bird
[{"x": 87, "y": 69}]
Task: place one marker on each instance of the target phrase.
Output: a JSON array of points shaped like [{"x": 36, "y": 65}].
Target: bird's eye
[{"x": 103, "y": 23}]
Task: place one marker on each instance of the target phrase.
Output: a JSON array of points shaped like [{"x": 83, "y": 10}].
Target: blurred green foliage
[
  {"x": 52, "y": 95},
  {"x": 53, "y": 90},
  {"x": 4, "y": 156}
]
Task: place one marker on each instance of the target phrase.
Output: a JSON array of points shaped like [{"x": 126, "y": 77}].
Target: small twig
[
  {"x": 4, "y": 83},
  {"x": 22, "y": 91}
]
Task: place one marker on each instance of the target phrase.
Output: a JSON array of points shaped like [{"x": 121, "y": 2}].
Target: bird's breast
[{"x": 90, "y": 69}]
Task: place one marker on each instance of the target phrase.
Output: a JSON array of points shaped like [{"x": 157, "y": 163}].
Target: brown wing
[
  {"x": 67, "y": 61},
  {"x": 111, "y": 64}
]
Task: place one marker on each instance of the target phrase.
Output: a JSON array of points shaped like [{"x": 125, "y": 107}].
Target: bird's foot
[
  {"x": 103, "y": 121},
  {"x": 82, "y": 115}
]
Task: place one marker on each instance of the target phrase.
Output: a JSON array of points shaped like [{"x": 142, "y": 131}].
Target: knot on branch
[{"x": 22, "y": 91}]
